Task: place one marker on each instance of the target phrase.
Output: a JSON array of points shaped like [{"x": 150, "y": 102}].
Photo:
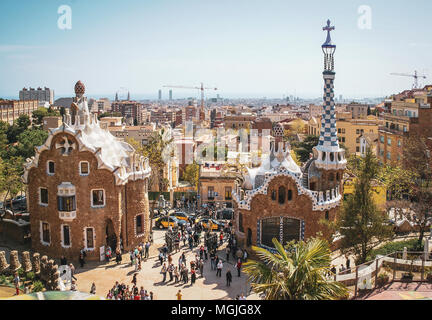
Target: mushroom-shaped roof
[{"x": 280, "y": 159}]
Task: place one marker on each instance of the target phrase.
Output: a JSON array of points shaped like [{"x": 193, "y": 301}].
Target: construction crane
[
  {"x": 415, "y": 76},
  {"x": 202, "y": 88}
]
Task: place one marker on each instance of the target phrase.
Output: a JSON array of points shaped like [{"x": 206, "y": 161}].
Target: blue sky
[{"x": 244, "y": 47}]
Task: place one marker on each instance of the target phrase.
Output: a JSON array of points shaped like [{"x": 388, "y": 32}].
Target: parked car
[
  {"x": 168, "y": 221},
  {"x": 211, "y": 223},
  {"x": 180, "y": 215}
]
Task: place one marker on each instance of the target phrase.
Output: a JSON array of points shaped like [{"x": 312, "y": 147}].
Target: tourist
[
  {"x": 238, "y": 266},
  {"x": 348, "y": 263},
  {"x": 179, "y": 295},
  {"x": 242, "y": 297},
  {"x": 169, "y": 259},
  {"x": 108, "y": 253},
  {"x": 176, "y": 275},
  {"x": 151, "y": 297},
  {"x": 161, "y": 257},
  {"x": 110, "y": 295},
  {"x": 221, "y": 238},
  {"x": 228, "y": 278},
  {"x": 134, "y": 279},
  {"x": 72, "y": 269},
  {"x": 227, "y": 253},
  {"x": 146, "y": 248},
  {"x": 73, "y": 286},
  {"x": 81, "y": 259},
  {"x": 219, "y": 268},
  {"x": 17, "y": 283},
  {"x": 333, "y": 270},
  {"x": 93, "y": 288},
  {"x": 212, "y": 260},
  {"x": 131, "y": 255},
  {"x": 342, "y": 269},
  {"x": 118, "y": 256},
  {"x": 142, "y": 293},
  {"x": 170, "y": 271},
  {"x": 164, "y": 272},
  {"x": 245, "y": 256},
  {"x": 201, "y": 267}
]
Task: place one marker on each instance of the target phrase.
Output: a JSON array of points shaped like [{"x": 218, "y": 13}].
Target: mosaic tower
[{"x": 328, "y": 154}]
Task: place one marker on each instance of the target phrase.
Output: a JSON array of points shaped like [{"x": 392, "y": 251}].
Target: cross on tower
[{"x": 328, "y": 28}]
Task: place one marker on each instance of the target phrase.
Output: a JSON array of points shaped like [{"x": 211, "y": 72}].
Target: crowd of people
[{"x": 186, "y": 239}]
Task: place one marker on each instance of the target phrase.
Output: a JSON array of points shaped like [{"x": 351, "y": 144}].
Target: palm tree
[{"x": 295, "y": 272}]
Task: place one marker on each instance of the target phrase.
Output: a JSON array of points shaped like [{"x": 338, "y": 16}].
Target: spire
[
  {"x": 128, "y": 98},
  {"x": 116, "y": 97},
  {"x": 328, "y": 153}
]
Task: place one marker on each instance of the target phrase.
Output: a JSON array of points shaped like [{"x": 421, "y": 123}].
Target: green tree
[
  {"x": 304, "y": 148},
  {"x": 42, "y": 112},
  {"x": 19, "y": 126},
  {"x": 10, "y": 179},
  {"x": 27, "y": 141},
  {"x": 191, "y": 174},
  {"x": 361, "y": 223},
  {"x": 297, "y": 271}
]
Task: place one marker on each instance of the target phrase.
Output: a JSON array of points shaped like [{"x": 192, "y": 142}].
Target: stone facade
[{"x": 84, "y": 192}]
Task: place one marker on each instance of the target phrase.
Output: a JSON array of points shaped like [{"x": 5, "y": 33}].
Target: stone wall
[{"x": 300, "y": 207}]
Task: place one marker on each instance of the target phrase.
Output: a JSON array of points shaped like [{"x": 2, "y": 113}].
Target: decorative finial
[
  {"x": 79, "y": 89},
  {"x": 328, "y": 28}
]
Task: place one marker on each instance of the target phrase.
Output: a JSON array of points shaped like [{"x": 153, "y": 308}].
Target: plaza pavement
[{"x": 210, "y": 287}]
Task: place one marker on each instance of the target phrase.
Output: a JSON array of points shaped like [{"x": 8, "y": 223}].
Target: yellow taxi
[
  {"x": 210, "y": 223},
  {"x": 166, "y": 222},
  {"x": 180, "y": 216}
]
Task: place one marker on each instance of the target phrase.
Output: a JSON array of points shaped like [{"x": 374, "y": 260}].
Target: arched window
[
  {"x": 282, "y": 193},
  {"x": 323, "y": 156},
  {"x": 337, "y": 176},
  {"x": 331, "y": 177},
  {"x": 290, "y": 194},
  {"x": 327, "y": 216},
  {"x": 331, "y": 156},
  {"x": 273, "y": 195}
]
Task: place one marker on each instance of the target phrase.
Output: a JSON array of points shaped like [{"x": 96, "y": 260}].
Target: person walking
[
  {"x": 228, "y": 250},
  {"x": 161, "y": 257},
  {"x": 134, "y": 279},
  {"x": 72, "y": 269},
  {"x": 81, "y": 260},
  {"x": 201, "y": 268},
  {"x": 93, "y": 288},
  {"x": 238, "y": 266},
  {"x": 170, "y": 271},
  {"x": 205, "y": 253},
  {"x": 164, "y": 272},
  {"x": 131, "y": 256},
  {"x": 17, "y": 283},
  {"x": 179, "y": 295},
  {"x": 228, "y": 278},
  {"x": 176, "y": 275},
  {"x": 212, "y": 260},
  {"x": 219, "y": 269},
  {"x": 146, "y": 250}
]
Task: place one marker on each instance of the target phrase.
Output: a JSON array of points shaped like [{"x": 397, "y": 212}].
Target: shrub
[
  {"x": 388, "y": 248},
  {"x": 382, "y": 280},
  {"x": 21, "y": 273},
  {"x": 38, "y": 286},
  {"x": 30, "y": 276},
  {"x": 2, "y": 279}
]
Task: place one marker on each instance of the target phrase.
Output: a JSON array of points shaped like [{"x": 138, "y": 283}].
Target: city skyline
[{"x": 245, "y": 49}]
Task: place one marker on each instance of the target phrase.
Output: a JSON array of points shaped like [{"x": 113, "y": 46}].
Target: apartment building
[{"x": 10, "y": 110}]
